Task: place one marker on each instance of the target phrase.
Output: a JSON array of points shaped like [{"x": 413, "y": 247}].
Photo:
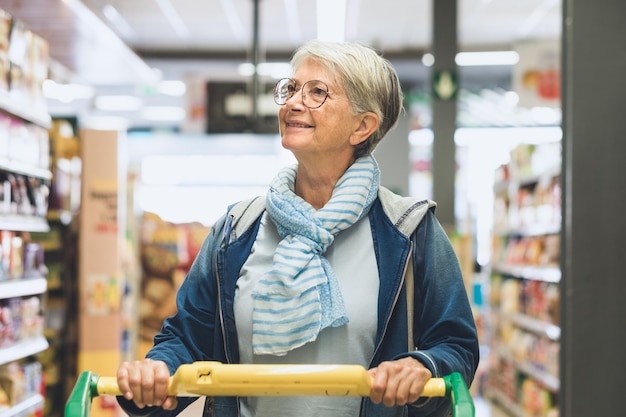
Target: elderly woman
[{"x": 317, "y": 270}]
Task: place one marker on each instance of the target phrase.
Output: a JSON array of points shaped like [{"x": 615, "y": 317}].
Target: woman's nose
[{"x": 296, "y": 100}]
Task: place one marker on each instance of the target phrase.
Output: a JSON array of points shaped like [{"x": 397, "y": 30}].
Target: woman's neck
[{"x": 315, "y": 185}]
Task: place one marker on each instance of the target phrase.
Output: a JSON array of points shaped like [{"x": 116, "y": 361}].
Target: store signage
[{"x": 445, "y": 85}]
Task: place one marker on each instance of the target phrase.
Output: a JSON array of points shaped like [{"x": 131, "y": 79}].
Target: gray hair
[{"x": 370, "y": 81}]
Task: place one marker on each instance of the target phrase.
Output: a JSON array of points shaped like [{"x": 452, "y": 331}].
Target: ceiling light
[
  {"x": 293, "y": 24},
  {"x": 487, "y": 58},
  {"x": 237, "y": 28},
  {"x": 331, "y": 20},
  {"x": 428, "y": 60},
  {"x": 66, "y": 93},
  {"x": 174, "y": 88},
  {"x": 118, "y": 21},
  {"x": 174, "y": 18},
  {"x": 276, "y": 70},
  {"x": 118, "y": 103}
]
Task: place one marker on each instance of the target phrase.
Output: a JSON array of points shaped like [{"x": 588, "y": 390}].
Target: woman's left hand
[{"x": 398, "y": 382}]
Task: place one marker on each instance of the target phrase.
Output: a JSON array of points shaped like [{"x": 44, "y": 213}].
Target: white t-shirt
[{"x": 352, "y": 258}]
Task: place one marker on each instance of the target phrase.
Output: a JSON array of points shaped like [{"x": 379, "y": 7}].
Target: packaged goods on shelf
[
  {"x": 20, "y": 319},
  {"x": 20, "y": 259},
  {"x": 167, "y": 250},
  {"x": 5, "y": 30},
  {"x": 18, "y": 382},
  {"x": 28, "y": 57},
  {"x": 23, "y": 142},
  {"x": 524, "y": 283},
  {"x": 23, "y": 195}
]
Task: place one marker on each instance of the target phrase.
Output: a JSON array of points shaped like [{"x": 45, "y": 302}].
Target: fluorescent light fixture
[
  {"x": 163, "y": 113},
  {"x": 293, "y": 23},
  {"x": 175, "y": 88},
  {"x": 466, "y": 59},
  {"x": 331, "y": 20},
  {"x": 66, "y": 93},
  {"x": 174, "y": 18},
  {"x": 237, "y": 28},
  {"x": 275, "y": 70},
  {"x": 118, "y": 103},
  {"x": 118, "y": 21},
  {"x": 101, "y": 31}
]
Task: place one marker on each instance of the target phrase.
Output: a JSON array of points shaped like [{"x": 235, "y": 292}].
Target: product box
[{"x": 5, "y": 31}]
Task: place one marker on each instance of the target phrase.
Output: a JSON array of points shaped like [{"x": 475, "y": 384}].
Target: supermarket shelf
[
  {"x": 551, "y": 172},
  {"x": 23, "y": 223},
  {"x": 542, "y": 328},
  {"x": 23, "y": 168},
  {"x": 23, "y": 349},
  {"x": 62, "y": 216},
  {"x": 509, "y": 407},
  {"x": 549, "y": 381},
  {"x": 26, "y": 407},
  {"x": 537, "y": 273},
  {"x": 540, "y": 229},
  {"x": 24, "y": 111},
  {"x": 22, "y": 287}
]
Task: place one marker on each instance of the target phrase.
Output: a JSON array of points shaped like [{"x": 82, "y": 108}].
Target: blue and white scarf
[{"x": 300, "y": 295}]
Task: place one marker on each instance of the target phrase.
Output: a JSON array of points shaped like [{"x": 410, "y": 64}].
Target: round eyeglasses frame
[{"x": 314, "y": 92}]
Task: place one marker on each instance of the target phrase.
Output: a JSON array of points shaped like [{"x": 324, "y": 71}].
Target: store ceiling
[{"x": 211, "y": 32}]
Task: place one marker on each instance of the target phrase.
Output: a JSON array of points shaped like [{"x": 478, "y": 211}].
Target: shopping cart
[{"x": 210, "y": 378}]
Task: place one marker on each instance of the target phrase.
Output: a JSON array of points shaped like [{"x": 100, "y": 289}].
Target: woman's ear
[{"x": 367, "y": 123}]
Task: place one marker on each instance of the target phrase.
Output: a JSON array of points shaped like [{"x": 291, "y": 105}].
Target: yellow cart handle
[
  {"x": 217, "y": 379},
  {"x": 210, "y": 378}
]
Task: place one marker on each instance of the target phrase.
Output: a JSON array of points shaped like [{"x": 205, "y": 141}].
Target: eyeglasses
[{"x": 314, "y": 92}]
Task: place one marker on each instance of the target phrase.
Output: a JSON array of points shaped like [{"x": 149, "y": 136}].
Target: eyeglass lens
[{"x": 314, "y": 92}]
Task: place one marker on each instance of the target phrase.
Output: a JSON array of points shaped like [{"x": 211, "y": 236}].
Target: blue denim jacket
[{"x": 444, "y": 337}]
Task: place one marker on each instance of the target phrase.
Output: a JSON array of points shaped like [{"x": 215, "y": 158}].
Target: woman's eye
[{"x": 318, "y": 91}]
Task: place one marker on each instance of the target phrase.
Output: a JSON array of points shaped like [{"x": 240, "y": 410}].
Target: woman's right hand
[{"x": 145, "y": 383}]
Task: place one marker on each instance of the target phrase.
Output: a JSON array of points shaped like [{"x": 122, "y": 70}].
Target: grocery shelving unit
[
  {"x": 19, "y": 287},
  {"x": 524, "y": 285},
  {"x": 24, "y": 348},
  {"x": 24, "y": 187}
]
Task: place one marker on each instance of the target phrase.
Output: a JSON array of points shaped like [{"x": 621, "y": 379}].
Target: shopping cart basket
[{"x": 210, "y": 378}]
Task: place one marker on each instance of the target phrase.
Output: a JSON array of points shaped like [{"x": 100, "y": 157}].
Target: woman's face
[{"x": 322, "y": 132}]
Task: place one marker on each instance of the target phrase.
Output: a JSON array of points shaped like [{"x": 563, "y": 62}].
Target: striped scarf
[{"x": 300, "y": 295}]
